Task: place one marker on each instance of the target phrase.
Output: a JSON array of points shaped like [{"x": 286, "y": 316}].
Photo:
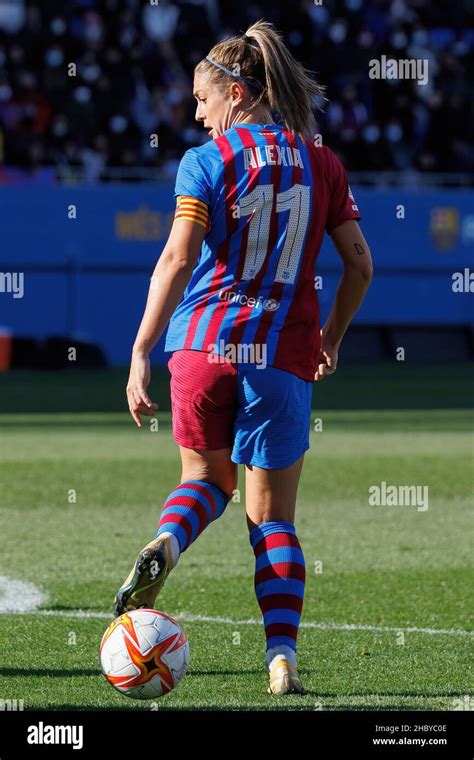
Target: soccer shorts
[{"x": 263, "y": 415}]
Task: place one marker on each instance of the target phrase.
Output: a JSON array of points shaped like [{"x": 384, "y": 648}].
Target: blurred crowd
[{"x": 133, "y": 77}]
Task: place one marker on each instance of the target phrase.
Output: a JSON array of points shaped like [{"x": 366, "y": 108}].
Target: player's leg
[
  {"x": 214, "y": 466},
  {"x": 203, "y": 395},
  {"x": 272, "y": 435},
  {"x": 279, "y": 567},
  {"x": 271, "y": 494},
  {"x": 202, "y": 417},
  {"x": 208, "y": 480}
]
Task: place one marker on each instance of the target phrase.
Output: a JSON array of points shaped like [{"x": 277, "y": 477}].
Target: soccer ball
[{"x": 144, "y": 654}]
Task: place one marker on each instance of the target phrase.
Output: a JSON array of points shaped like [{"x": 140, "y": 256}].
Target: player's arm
[
  {"x": 168, "y": 283},
  {"x": 169, "y": 280},
  {"x": 352, "y": 247}
]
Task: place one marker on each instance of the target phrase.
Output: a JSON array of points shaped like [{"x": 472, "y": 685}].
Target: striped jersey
[{"x": 266, "y": 196}]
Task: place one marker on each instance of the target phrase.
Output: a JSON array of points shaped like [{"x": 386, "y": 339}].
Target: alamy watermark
[
  {"x": 12, "y": 282},
  {"x": 238, "y": 353},
  {"x": 398, "y": 496},
  {"x": 463, "y": 282},
  {"x": 42, "y": 733},
  {"x": 12, "y": 705},
  {"x": 403, "y": 68}
]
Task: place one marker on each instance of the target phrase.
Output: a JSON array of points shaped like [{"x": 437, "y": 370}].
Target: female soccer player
[{"x": 235, "y": 282}]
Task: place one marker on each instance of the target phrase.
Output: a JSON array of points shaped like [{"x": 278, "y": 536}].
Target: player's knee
[
  {"x": 227, "y": 482},
  {"x": 265, "y": 517}
]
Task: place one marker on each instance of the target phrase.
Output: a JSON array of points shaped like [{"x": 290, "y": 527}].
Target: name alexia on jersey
[{"x": 269, "y": 155}]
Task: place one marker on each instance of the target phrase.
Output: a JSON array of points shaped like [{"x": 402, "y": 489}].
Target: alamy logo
[
  {"x": 12, "y": 282},
  {"x": 239, "y": 353},
  {"x": 466, "y": 703},
  {"x": 45, "y": 734},
  {"x": 399, "y": 496},
  {"x": 404, "y": 68},
  {"x": 463, "y": 282},
  {"x": 12, "y": 705}
]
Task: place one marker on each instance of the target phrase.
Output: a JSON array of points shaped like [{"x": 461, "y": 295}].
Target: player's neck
[{"x": 257, "y": 116}]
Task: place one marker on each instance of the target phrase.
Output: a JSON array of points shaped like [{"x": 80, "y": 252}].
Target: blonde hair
[{"x": 280, "y": 82}]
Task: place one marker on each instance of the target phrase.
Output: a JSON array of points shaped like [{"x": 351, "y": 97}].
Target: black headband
[{"x": 250, "y": 83}]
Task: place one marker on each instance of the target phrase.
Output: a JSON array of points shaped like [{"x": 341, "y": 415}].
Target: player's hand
[
  {"x": 139, "y": 401},
  {"x": 327, "y": 360}
]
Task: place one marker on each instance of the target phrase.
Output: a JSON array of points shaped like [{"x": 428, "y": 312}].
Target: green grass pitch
[{"x": 386, "y": 618}]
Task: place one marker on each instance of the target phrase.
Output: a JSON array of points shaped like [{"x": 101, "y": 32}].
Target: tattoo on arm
[{"x": 359, "y": 249}]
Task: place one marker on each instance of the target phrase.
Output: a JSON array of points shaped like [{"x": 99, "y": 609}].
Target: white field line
[
  {"x": 189, "y": 618},
  {"x": 21, "y": 598}
]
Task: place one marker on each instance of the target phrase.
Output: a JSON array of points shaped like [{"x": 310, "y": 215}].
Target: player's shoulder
[
  {"x": 199, "y": 172},
  {"x": 330, "y": 164},
  {"x": 202, "y": 154},
  {"x": 204, "y": 161},
  {"x": 325, "y": 155}
]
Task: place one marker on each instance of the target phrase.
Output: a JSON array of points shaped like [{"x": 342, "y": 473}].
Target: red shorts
[{"x": 203, "y": 399}]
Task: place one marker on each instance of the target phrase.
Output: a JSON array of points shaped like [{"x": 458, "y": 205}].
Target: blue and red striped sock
[
  {"x": 188, "y": 510},
  {"x": 280, "y": 576}
]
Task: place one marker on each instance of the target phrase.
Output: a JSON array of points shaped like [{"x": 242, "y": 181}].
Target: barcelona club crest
[{"x": 444, "y": 227}]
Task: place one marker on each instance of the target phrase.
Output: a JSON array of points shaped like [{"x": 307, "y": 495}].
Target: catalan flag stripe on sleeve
[{"x": 193, "y": 210}]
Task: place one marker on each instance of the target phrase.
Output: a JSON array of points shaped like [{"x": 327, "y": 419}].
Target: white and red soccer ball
[{"x": 144, "y": 654}]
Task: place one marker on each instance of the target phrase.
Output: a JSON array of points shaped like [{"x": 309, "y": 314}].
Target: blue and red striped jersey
[{"x": 270, "y": 197}]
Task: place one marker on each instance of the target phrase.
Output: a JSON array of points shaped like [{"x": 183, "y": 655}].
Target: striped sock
[
  {"x": 280, "y": 576},
  {"x": 189, "y": 509}
]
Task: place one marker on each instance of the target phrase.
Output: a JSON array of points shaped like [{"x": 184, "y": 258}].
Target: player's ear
[{"x": 237, "y": 93}]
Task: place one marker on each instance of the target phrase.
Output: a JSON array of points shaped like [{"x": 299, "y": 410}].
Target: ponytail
[
  {"x": 281, "y": 83},
  {"x": 290, "y": 89}
]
